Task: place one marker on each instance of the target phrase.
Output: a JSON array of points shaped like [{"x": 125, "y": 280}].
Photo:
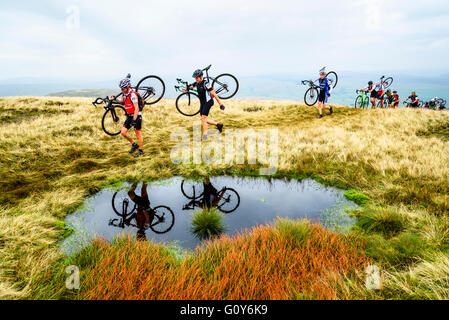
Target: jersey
[
  {"x": 129, "y": 100},
  {"x": 203, "y": 88}
]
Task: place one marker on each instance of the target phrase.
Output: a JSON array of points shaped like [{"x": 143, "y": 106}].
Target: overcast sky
[{"x": 100, "y": 39}]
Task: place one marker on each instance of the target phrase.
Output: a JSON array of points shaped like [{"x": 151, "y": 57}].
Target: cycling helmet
[
  {"x": 388, "y": 91},
  {"x": 197, "y": 73},
  {"x": 370, "y": 83},
  {"x": 125, "y": 83}
]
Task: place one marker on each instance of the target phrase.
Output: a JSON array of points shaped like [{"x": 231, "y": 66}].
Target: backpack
[{"x": 140, "y": 101}]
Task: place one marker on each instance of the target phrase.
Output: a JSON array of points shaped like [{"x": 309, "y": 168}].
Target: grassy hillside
[{"x": 53, "y": 154}]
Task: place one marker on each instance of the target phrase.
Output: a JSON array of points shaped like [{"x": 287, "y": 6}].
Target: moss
[{"x": 357, "y": 197}]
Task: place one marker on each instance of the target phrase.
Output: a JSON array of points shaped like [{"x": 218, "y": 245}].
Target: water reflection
[
  {"x": 136, "y": 211},
  {"x": 205, "y": 195},
  {"x": 162, "y": 211}
]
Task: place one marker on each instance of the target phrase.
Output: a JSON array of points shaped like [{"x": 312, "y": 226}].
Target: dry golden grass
[{"x": 53, "y": 153}]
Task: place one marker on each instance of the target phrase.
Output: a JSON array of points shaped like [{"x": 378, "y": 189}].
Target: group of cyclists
[
  {"x": 130, "y": 100},
  {"x": 379, "y": 97}
]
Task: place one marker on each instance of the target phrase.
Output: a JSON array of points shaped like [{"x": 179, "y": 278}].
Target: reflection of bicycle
[
  {"x": 363, "y": 100},
  {"x": 150, "y": 88},
  {"x": 311, "y": 95},
  {"x": 227, "y": 199},
  {"x": 163, "y": 218},
  {"x": 188, "y": 103}
]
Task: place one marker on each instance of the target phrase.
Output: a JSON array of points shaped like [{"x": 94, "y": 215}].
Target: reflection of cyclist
[
  {"x": 143, "y": 204},
  {"x": 372, "y": 90},
  {"x": 413, "y": 100},
  {"x": 210, "y": 194},
  {"x": 325, "y": 92},
  {"x": 133, "y": 116},
  {"x": 206, "y": 94}
]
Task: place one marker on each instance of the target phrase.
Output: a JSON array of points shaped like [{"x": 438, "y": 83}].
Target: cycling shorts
[
  {"x": 205, "y": 107},
  {"x": 129, "y": 121},
  {"x": 374, "y": 94},
  {"x": 323, "y": 96}
]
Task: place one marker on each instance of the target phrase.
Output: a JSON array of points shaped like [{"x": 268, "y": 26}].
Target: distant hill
[{"x": 85, "y": 93}]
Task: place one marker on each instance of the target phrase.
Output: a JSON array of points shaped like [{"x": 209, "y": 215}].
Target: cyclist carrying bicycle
[
  {"x": 396, "y": 100},
  {"x": 325, "y": 93},
  {"x": 414, "y": 101},
  {"x": 206, "y": 94},
  {"x": 380, "y": 92},
  {"x": 133, "y": 116}
]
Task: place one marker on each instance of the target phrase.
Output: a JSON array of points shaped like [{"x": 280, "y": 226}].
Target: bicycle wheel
[
  {"x": 333, "y": 78},
  {"x": 151, "y": 89},
  {"x": 229, "y": 202},
  {"x": 192, "y": 189},
  {"x": 388, "y": 82},
  {"x": 113, "y": 120},
  {"x": 225, "y": 86},
  {"x": 366, "y": 103},
  {"x": 118, "y": 199},
  {"x": 163, "y": 219},
  {"x": 311, "y": 97},
  {"x": 359, "y": 102},
  {"x": 188, "y": 104}
]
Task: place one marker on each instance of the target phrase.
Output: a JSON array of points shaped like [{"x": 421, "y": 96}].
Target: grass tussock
[
  {"x": 53, "y": 154},
  {"x": 207, "y": 223},
  {"x": 263, "y": 264}
]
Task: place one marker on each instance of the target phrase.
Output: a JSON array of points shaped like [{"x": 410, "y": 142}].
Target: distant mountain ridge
[{"x": 87, "y": 93}]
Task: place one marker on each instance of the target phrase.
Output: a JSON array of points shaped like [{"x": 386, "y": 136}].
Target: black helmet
[
  {"x": 370, "y": 83},
  {"x": 197, "y": 73}
]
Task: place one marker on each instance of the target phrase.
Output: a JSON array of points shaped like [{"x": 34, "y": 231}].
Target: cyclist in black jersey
[
  {"x": 206, "y": 94},
  {"x": 414, "y": 100}
]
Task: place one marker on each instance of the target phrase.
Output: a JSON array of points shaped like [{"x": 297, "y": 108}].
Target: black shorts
[
  {"x": 322, "y": 96},
  {"x": 205, "y": 107},
  {"x": 142, "y": 202},
  {"x": 396, "y": 104},
  {"x": 129, "y": 121},
  {"x": 374, "y": 94}
]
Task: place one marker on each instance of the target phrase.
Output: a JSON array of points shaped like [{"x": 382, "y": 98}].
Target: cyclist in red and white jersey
[
  {"x": 133, "y": 116},
  {"x": 379, "y": 88}
]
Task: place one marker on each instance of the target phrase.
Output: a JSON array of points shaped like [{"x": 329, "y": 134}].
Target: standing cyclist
[
  {"x": 133, "y": 116},
  {"x": 414, "y": 101},
  {"x": 325, "y": 93},
  {"x": 372, "y": 90},
  {"x": 206, "y": 94}
]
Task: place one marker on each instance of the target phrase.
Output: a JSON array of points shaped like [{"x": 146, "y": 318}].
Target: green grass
[{"x": 207, "y": 223}]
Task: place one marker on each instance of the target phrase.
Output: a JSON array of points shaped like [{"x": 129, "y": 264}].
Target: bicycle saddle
[{"x": 207, "y": 68}]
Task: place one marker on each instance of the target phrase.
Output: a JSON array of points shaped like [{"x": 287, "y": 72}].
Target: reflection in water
[
  {"x": 140, "y": 214},
  {"x": 160, "y": 210},
  {"x": 226, "y": 200}
]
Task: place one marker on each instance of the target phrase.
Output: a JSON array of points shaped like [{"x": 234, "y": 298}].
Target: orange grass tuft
[{"x": 262, "y": 264}]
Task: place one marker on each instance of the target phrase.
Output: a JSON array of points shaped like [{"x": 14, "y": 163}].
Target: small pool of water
[{"x": 244, "y": 202}]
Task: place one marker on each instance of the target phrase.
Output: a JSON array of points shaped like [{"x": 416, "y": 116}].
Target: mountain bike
[
  {"x": 410, "y": 104},
  {"x": 363, "y": 100},
  {"x": 312, "y": 94},
  {"x": 188, "y": 103},
  {"x": 151, "y": 89},
  {"x": 125, "y": 208},
  {"x": 386, "y": 82},
  {"x": 229, "y": 199}
]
